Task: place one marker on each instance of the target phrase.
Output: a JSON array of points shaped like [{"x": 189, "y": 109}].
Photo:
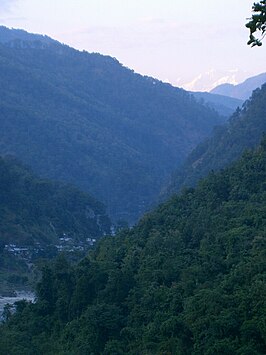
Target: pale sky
[{"x": 172, "y": 40}]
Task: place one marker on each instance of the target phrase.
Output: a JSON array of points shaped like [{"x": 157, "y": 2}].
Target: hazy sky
[{"x": 172, "y": 40}]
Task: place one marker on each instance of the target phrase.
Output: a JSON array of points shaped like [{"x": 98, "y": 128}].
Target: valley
[
  {"x": 85, "y": 119},
  {"x": 132, "y": 212}
]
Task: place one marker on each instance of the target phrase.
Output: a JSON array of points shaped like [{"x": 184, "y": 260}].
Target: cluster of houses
[
  {"x": 25, "y": 252},
  {"x": 64, "y": 244},
  {"x": 70, "y": 245}
]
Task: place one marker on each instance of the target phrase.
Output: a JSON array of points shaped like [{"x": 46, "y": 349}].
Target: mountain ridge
[
  {"x": 224, "y": 105},
  {"x": 85, "y": 119},
  {"x": 243, "y": 90},
  {"x": 14, "y": 36},
  {"x": 243, "y": 131}
]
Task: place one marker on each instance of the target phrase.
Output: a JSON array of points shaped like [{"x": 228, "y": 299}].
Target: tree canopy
[
  {"x": 257, "y": 23},
  {"x": 188, "y": 279},
  {"x": 243, "y": 131}
]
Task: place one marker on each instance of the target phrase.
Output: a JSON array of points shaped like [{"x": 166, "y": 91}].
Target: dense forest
[
  {"x": 244, "y": 130},
  {"x": 35, "y": 210},
  {"x": 188, "y": 279},
  {"x": 34, "y": 214},
  {"x": 86, "y": 119}
]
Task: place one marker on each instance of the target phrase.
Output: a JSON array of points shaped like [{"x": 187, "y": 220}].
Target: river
[{"x": 20, "y": 295}]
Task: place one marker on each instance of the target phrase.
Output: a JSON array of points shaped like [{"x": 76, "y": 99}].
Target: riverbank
[{"x": 11, "y": 300}]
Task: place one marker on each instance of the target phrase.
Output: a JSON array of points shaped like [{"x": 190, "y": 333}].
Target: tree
[{"x": 257, "y": 23}]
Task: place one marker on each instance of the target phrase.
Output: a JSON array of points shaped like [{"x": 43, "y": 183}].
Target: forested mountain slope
[
  {"x": 38, "y": 219},
  {"x": 15, "y": 36},
  {"x": 86, "y": 119},
  {"x": 244, "y": 130},
  {"x": 224, "y": 105},
  {"x": 35, "y": 211},
  {"x": 189, "y": 279}
]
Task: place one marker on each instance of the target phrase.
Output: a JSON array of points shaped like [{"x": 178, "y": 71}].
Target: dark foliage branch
[{"x": 257, "y": 23}]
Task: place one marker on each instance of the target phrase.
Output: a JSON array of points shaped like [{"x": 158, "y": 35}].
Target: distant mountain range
[
  {"x": 241, "y": 91},
  {"x": 85, "y": 119},
  {"x": 210, "y": 79},
  {"x": 227, "y": 97}
]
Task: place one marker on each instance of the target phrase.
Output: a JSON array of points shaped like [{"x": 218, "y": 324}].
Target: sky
[{"x": 195, "y": 44}]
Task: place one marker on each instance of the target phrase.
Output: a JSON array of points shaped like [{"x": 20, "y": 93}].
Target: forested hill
[
  {"x": 37, "y": 212},
  {"x": 15, "y": 37},
  {"x": 224, "y": 105},
  {"x": 189, "y": 279},
  {"x": 244, "y": 130},
  {"x": 86, "y": 119}
]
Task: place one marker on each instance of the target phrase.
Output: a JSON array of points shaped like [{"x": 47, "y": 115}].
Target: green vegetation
[
  {"x": 257, "y": 23},
  {"x": 16, "y": 275},
  {"x": 244, "y": 130},
  {"x": 85, "y": 119},
  {"x": 188, "y": 279},
  {"x": 34, "y": 214},
  {"x": 35, "y": 210}
]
